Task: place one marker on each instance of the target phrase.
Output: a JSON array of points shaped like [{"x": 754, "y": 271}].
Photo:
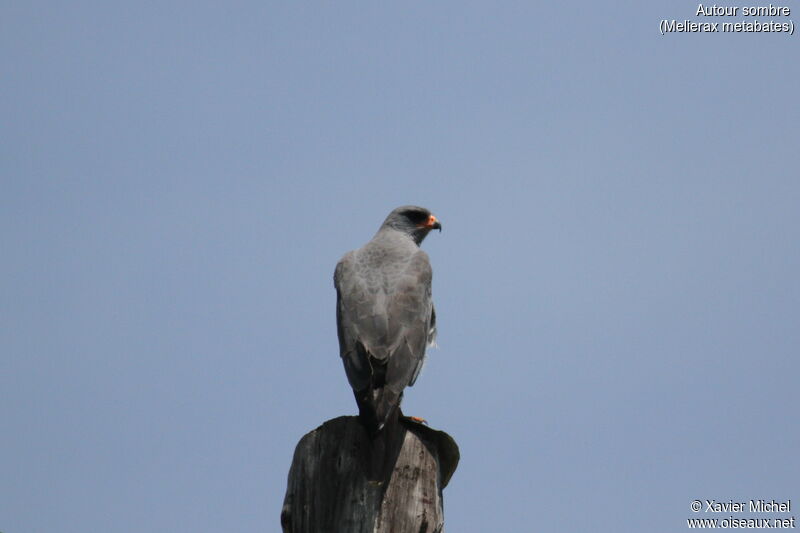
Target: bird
[{"x": 385, "y": 314}]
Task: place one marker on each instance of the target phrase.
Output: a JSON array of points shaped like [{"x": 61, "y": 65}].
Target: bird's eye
[{"x": 416, "y": 217}]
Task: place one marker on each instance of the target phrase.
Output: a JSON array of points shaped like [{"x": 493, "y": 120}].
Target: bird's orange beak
[{"x": 432, "y": 223}]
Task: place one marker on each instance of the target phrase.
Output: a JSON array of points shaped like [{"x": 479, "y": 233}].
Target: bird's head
[{"x": 415, "y": 221}]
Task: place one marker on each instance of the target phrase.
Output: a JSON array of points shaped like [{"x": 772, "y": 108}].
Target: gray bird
[{"x": 384, "y": 313}]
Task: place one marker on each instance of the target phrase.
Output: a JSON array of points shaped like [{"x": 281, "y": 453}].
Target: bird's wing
[
  {"x": 394, "y": 327},
  {"x": 411, "y": 322},
  {"x": 359, "y": 327}
]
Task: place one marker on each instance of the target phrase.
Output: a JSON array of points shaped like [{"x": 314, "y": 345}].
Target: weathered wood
[{"x": 332, "y": 486}]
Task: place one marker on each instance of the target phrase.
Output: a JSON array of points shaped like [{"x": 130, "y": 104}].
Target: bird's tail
[
  {"x": 378, "y": 408},
  {"x": 379, "y": 412}
]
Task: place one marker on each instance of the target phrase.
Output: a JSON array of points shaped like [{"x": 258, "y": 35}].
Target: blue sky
[{"x": 616, "y": 283}]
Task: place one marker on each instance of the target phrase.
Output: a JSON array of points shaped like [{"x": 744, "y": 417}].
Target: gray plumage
[{"x": 384, "y": 313}]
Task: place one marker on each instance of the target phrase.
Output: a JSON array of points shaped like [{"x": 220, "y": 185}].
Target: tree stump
[{"x": 334, "y": 487}]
